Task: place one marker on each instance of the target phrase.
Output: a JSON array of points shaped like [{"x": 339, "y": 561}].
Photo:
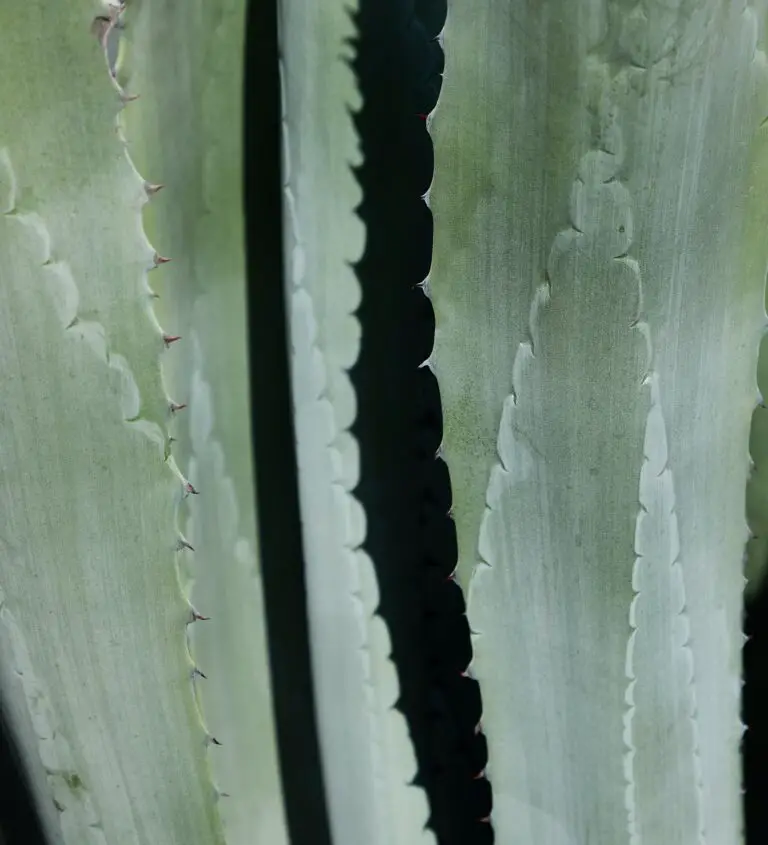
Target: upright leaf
[
  {"x": 185, "y": 132},
  {"x": 604, "y": 161},
  {"x": 97, "y": 671},
  {"x": 368, "y": 758}
]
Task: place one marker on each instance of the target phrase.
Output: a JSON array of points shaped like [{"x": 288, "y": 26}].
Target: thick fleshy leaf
[
  {"x": 604, "y": 163},
  {"x": 368, "y": 758},
  {"x": 96, "y": 670},
  {"x": 185, "y": 132}
]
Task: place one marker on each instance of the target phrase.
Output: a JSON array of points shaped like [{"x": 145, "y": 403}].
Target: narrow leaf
[{"x": 368, "y": 758}]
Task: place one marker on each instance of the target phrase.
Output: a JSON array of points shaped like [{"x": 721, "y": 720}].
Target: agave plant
[{"x": 598, "y": 285}]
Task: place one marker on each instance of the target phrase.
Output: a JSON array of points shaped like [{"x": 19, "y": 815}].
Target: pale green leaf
[
  {"x": 93, "y": 620},
  {"x": 605, "y": 163},
  {"x": 185, "y": 132},
  {"x": 368, "y": 759}
]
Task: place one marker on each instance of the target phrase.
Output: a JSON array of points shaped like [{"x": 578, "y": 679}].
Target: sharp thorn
[
  {"x": 168, "y": 339},
  {"x": 196, "y": 671},
  {"x": 190, "y": 489},
  {"x": 215, "y": 741},
  {"x": 159, "y": 259},
  {"x": 198, "y": 617},
  {"x": 183, "y": 544},
  {"x": 174, "y": 406},
  {"x": 129, "y": 98},
  {"x": 152, "y": 188}
]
